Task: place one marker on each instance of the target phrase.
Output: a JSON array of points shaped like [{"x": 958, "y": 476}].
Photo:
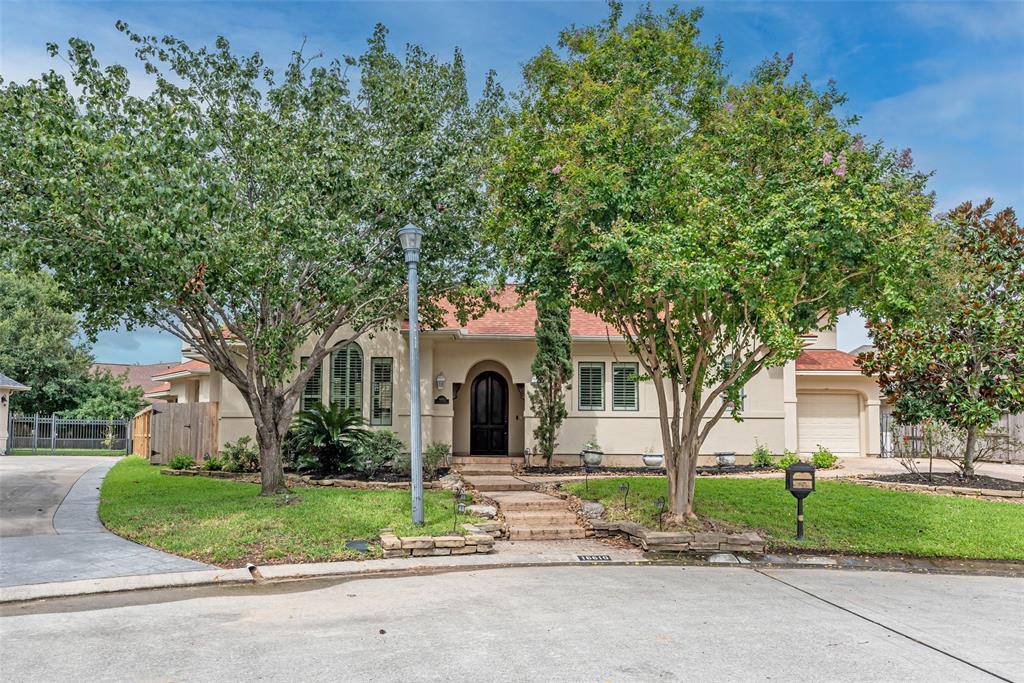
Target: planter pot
[
  {"x": 654, "y": 460},
  {"x": 726, "y": 459},
  {"x": 592, "y": 458}
]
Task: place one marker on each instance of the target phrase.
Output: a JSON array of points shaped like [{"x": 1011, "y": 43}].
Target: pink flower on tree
[
  {"x": 905, "y": 160},
  {"x": 858, "y": 145},
  {"x": 826, "y": 158},
  {"x": 556, "y": 169},
  {"x": 840, "y": 170},
  {"x": 730, "y": 107}
]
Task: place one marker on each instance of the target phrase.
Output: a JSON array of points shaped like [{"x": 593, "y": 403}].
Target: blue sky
[{"x": 945, "y": 79}]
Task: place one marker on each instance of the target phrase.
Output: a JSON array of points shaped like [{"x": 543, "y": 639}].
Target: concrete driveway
[
  {"x": 50, "y": 529},
  {"x": 641, "y": 623}
]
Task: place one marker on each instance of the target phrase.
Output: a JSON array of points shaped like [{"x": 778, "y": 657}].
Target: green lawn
[
  {"x": 840, "y": 516},
  {"x": 68, "y": 451},
  {"x": 228, "y": 523}
]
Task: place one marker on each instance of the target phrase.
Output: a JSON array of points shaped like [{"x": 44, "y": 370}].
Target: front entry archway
[{"x": 488, "y": 427}]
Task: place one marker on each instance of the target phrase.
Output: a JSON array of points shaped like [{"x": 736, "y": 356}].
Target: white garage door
[{"x": 832, "y": 420}]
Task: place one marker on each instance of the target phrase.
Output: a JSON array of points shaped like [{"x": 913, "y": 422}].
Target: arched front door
[{"x": 488, "y": 426}]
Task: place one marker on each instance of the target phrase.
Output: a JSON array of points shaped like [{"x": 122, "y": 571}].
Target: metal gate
[{"x": 53, "y": 435}]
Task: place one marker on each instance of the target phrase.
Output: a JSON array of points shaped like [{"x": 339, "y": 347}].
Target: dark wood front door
[{"x": 488, "y": 427}]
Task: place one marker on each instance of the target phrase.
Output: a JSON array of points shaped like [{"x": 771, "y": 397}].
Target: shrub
[
  {"x": 213, "y": 464},
  {"x": 823, "y": 458},
  {"x": 379, "y": 448},
  {"x": 181, "y": 461},
  {"x": 788, "y": 458},
  {"x": 761, "y": 457},
  {"x": 240, "y": 456},
  {"x": 326, "y": 439},
  {"x": 434, "y": 457}
]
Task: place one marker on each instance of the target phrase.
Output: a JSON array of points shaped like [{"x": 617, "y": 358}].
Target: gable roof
[
  {"x": 827, "y": 359},
  {"x": 10, "y": 384},
  {"x": 516, "y": 319}
]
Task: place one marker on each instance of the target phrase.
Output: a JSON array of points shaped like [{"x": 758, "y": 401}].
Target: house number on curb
[
  {"x": 595, "y": 558},
  {"x": 800, "y": 482}
]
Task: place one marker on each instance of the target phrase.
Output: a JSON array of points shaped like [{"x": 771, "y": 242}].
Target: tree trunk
[
  {"x": 270, "y": 431},
  {"x": 969, "y": 451}
]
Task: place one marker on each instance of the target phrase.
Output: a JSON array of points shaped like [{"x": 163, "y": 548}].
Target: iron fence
[{"x": 50, "y": 434}]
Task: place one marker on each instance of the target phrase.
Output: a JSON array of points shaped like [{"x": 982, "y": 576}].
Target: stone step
[
  {"x": 488, "y": 459},
  {"x": 472, "y": 469},
  {"x": 546, "y": 533},
  {"x": 522, "y": 518},
  {"x": 514, "y": 501},
  {"x": 488, "y": 483}
]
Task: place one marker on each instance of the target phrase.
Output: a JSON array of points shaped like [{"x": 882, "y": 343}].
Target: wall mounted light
[
  {"x": 534, "y": 381},
  {"x": 440, "y": 380}
]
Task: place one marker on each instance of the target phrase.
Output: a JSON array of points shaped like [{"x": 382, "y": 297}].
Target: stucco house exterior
[{"x": 475, "y": 392}]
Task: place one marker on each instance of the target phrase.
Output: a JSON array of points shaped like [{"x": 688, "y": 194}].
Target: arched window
[{"x": 347, "y": 377}]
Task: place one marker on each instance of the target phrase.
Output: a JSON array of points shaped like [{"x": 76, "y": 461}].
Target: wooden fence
[{"x": 167, "y": 429}]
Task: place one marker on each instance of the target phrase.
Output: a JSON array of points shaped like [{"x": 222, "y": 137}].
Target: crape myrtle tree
[
  {"x": 710, "y": 224},
  {"x": 958, "y": 357},
  {"x": 245, "y": 211}
]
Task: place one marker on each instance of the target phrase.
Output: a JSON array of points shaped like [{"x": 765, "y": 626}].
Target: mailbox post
[{"x": 800, "y": 482}]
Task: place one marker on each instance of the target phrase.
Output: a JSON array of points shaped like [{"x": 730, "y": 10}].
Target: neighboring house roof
[
  {"x": 515, "y": 320},
  {"x": 187, "y": 369},
  {"x": 138, "y": 375},
  {"x": 827, "y": 360},
  {"x": 10, "y": 384}
]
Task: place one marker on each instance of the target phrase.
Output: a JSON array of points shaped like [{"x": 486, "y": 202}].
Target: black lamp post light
[
  {"x": 459, "y": 508},
  {"x": 624, "y": 490},
  {"x": 659, "y": 503}
]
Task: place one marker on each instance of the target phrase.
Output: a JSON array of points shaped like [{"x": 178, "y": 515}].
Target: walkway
[{"x": 51, "y": 530}]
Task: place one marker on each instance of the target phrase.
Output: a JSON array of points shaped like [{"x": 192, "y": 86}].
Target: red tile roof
[
  {"x": 512, "y": 319},
  {"x": 826, "y": 359},
  {"x": 189, "y": 366}
]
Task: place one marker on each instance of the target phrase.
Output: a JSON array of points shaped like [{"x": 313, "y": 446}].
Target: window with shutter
[
  {"x": 590, "y": 385},
  {"x": 625, "y": 394},
  {"x": 311, "y": 392},
  {"x": 380, "y": 391},
  {"x": 347, "y": 378}
]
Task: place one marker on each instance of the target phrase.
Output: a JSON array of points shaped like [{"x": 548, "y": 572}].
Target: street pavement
[
  {"x": 50, "y": 529},
  {"x": 612, "y": 623}
]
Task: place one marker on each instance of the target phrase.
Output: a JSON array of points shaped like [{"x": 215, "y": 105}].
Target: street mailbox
[{"x": 800, "y": 482}]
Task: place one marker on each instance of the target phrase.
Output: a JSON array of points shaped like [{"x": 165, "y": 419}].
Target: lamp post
[{"x": 410, "y": 237}]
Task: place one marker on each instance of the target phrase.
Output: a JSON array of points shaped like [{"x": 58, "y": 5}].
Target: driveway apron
[{"x": 74, "y": 544}]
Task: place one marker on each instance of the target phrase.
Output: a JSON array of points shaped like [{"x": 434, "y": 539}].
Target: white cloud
[{"x": 979, "y": 20}]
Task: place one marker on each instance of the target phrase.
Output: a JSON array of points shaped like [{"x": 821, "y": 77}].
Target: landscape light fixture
[
  {"x": 624, "y": 490},
  {"x": 411, "y": 238},
  {"x": 659, "y": 503}
]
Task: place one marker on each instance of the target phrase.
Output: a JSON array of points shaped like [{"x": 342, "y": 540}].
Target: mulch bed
[
  {"x": 978, "y": 481},
  {"x": 382, "y": 475},
  {"x": 704, "y": 470}
]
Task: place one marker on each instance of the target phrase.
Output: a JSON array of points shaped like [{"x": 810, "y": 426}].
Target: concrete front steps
[
  {"x": 485, "y": 465},
  {"x": 530, "y": 515}
]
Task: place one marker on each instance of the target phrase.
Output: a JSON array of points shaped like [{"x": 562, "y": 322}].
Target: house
[
  {"x": 138, "y": 375},
  {"x": 7, "y": 387},
  {"x": 474, "y": 392}
]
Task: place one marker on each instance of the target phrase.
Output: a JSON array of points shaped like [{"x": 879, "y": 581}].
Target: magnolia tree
[
  {"x": 711, "y": 224},
  {"x": 246, "y": 212},
  {"x": 958, "y": 359}
]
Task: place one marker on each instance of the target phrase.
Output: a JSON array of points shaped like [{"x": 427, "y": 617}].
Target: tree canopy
[
  {"x": 959, "y": 356},
  {"x": 712, "y": 224},
  {"x": 245, "y": 211}
]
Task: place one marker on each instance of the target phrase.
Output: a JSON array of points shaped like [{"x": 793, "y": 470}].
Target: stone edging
[
  {"x": 421, "y": 546},
  {"x": 303, "y": 480},
  {"x": 959, "y": 490},
  {"x": 647, "y": 539}
]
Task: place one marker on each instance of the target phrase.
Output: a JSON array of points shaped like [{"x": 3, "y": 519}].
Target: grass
[
  {"x": 228, "y": 523},
  {"x": 840, "y": 516},
  {"x": 68, "y": 451}
]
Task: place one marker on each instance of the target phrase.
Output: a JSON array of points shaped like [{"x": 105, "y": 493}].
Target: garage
[{"x": 832, "y": 420}]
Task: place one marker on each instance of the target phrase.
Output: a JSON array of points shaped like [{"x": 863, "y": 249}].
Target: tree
[
  {"x": 552, "y": 366},
  {"x": 244, "y": 212},
  {"x": 711, "y": 225},
  {"x": 960, "y": 358},
  {"x": 38, "y": 344},
  {"x": 105, "y": 396}
]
